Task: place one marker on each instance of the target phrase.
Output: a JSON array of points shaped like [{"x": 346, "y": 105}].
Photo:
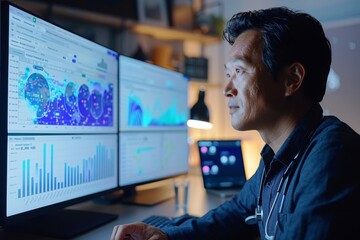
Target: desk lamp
[{"x": 199, "y": 113}]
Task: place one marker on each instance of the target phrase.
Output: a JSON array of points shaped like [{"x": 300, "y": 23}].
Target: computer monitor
[
  {"x": 58, "y": 123},
  {"x": 153, "y": 132}
]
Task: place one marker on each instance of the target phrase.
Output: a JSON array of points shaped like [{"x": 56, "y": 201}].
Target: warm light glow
[{"x": 199, "y": 124}]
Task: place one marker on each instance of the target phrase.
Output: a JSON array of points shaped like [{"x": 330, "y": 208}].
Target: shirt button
[{"x": 268, "y": 184}]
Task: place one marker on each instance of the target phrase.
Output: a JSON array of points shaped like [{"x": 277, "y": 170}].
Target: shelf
[
  {"x": 173, "y": 34},
  {"x": 200, "y": 84},
  {"x": 118, "y": 22}
]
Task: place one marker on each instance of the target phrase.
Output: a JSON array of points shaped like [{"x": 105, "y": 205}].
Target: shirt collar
[{"x": 296, "y": 140}]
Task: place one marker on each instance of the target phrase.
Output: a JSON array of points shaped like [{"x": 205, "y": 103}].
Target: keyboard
[
  {"x": 163, "y": 221},
  {"x": 159, "y": 221}
]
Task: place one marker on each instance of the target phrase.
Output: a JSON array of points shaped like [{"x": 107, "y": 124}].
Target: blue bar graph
[{"x": 38, "y": 179}]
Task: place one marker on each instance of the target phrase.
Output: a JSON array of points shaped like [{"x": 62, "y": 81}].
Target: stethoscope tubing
[{"x": 284, "y": 183}]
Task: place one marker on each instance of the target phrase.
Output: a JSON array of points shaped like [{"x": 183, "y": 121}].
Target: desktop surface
[{"x": 199, "y": 203}]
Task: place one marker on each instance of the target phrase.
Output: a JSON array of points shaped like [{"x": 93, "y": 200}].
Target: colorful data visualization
[
  {"x": 65, "y": 101},
  {"x": 147, "y": 112},
  {"x": 50, "y": 169}
]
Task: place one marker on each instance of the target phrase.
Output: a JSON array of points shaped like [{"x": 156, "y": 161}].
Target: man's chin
[
  {"x": 240, "y": 126},
  {"x": 237, "y": 126}
]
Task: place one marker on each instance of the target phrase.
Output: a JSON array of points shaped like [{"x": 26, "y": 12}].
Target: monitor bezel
[{"x": 8, "y": 220}]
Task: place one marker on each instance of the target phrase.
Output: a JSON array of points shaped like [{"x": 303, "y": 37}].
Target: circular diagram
[{"x": 37, "y": 93}]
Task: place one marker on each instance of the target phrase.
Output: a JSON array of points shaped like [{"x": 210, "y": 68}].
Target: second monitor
[{"x": 152, "y": 129}]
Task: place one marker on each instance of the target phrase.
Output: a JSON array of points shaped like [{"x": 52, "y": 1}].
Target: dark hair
[{"x": 289, "y": 36}]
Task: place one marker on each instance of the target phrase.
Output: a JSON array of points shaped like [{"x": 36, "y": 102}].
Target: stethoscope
[{"x": 281, "y": 190}]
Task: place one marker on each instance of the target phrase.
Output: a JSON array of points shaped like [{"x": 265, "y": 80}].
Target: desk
[{"x": 199, "y": 203}]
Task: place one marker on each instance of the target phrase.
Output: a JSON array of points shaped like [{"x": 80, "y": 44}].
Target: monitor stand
[
  {"x": 63, "y": 224},
  {"x": 145, "y": 197},
  {"x": 148, "y": 197}
]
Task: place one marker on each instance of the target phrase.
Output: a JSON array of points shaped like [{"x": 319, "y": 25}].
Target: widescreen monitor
[
  {"x": 58, "y": 119},
  {"x": 153, "y": 132}
]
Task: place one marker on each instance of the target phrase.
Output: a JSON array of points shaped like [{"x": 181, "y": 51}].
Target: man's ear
[{"x": 295, "y": 77}]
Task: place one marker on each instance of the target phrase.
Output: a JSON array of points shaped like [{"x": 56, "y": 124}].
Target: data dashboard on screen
[
  {"x": 44, "y": 170},
  {"x": 58, "y": 81},
  {"x": 153, "y": 114},
  {"x": 60, "y": 94}
]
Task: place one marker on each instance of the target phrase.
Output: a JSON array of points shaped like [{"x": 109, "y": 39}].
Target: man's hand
[{"x": 137, "y": 231}]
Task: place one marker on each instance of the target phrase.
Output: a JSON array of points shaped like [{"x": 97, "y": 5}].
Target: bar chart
[
  {"x": 48, "y": 169},
  {"x": 43, "y": 179}
]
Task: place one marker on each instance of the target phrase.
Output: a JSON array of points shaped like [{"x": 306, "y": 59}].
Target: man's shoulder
[
  {"x": 332, "y": 127},
  {"x": 336, "y": 138},
  {"x": 334, "y": 146}
]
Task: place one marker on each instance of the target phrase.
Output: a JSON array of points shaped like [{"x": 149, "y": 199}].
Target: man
[{"x": 306, "y": 185}]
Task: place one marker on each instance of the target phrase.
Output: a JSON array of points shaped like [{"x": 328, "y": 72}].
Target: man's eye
[
  {"x": 238, "y": 70},
  {"x": 228, "y": 75}
]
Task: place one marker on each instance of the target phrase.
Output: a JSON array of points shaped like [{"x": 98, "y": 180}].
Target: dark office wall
[{"x": 342, "y": 96}]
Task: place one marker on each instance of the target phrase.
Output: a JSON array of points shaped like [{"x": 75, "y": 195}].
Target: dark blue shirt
[{"x": 322, "y": 195}]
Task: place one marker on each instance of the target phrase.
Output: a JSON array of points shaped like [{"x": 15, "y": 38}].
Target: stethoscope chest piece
[{"x": 257, "y": 217}]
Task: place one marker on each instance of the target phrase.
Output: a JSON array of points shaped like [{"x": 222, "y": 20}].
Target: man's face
[{"x": 254, "y": 97}]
